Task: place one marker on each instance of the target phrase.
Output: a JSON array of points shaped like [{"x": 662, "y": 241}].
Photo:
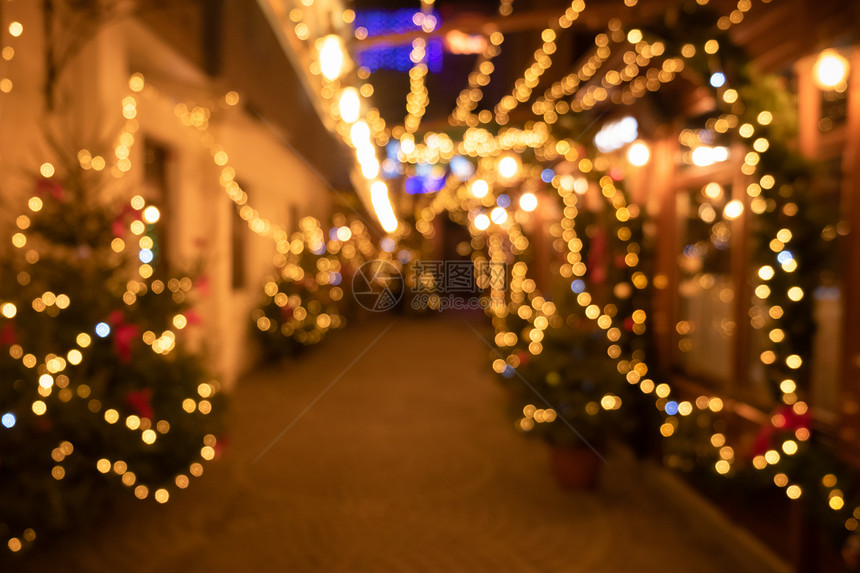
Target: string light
[
  {"x": 349, "y": 105},
  {"x": 509, "y": 167},
  {"x": 638, "y": 154},
  {"x": 541, "y": 62},
  {"x": 830, "y": 70},
  {"x": 478, "y": 144},
  {"x": 528, "y": 202},
  {"x": 331, "y": 56},
  {"x": 382, "y": 206}
]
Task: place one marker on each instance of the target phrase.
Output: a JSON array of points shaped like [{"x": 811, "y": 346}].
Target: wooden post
[
  {"x": 741, "y": 257},
  {"x": 662, "y": 200},
  {"x": 849, "y": 428}
]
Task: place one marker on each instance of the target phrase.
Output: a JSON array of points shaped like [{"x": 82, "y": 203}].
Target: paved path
[{"x": 408, "y": 463}]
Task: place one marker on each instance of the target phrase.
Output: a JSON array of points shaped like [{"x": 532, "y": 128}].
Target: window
[
  {"x": 239, "y": 246},
  {"x": 156, "y": 190}
]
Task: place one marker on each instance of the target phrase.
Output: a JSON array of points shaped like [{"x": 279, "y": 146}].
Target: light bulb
[
  {"x": 479, "y": 188},
  {"x": 359, "y": 133},
  {"x": 830, "y": 69},
  {"x": 331, "y": 57},
  {"x": 638, "y": 154},
  {"x": 733, "y": 209},
  {"x": 528, "y": 202},
  {"x": 482, "y": 222},
  {"x": 508, "y": 167},
  {"x": 349, "y": 105}
]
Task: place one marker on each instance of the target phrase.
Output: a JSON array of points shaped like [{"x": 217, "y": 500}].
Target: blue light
[
  {"x": 671, "y": 407},
  {"x": 387, "y": 244},
  {"x": 424, "y": 170},
  {"x": 784, "y": 257},
  {"x": 332, "y": 234},
  {"x": 334, "y": 278},
  {"x": 503, "y": 201},
  {"x": 421, "y": 185},
  {"x": 546, "y": 175},
  {"x": 404, "y": 256},
  {"x": 414, "y": 186},
  {"x": 145, "y": 256},
  {"x": 578, "y": 286},
  {"x": 390, "y": 168},
  {"x": 462, "y": 167},
  {"x": 392, "y": 149},
  {"x": 381, "y": 22},
  {"x": 509, "y": 371},
  {"x": 8, "y": 419},
  {"x": 434, "y": 184},
  {"x": 397, "y": 58},
  {"x": 428, "y": 178},
  {"x": 718, "y": 80},
  {"x": 102, "y": 329}
]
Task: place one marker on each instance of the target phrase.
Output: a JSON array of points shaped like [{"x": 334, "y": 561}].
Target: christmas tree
[
  {"x": 98, "y": 393},
  {"x": 304, "y": 298}
]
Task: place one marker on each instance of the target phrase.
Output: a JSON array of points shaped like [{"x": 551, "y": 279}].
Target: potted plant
[{"x": 572, "y": 396}]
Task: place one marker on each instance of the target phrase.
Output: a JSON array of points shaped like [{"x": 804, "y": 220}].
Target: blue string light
[{"x": 102, "y": 330}]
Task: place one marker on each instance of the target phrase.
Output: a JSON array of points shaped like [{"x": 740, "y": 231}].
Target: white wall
[{"x": 200, "y": 227}]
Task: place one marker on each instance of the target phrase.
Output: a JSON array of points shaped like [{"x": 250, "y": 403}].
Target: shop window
[
  {"x": 828, "y": 294},
  {"x": 706, "y": 319}
]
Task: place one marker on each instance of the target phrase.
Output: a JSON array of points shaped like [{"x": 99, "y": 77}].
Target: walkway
[{"x": 408, "y": 463}]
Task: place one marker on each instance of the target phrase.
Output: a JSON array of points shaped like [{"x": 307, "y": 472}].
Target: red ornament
[
  {"x": 784, "y": 419},
  {"x": 7, "y": 334},
  {"x": 123, "y": 334},
  {"x": 203, "y": 285},
  {"x": 524, "y": 358},
  {"x": 221, "y": 445},
  {"x": 50, "y": 187},
  {"x": 596, "y": 256},
  {"x": 118, "y": 227},
  {"x": 128, "y": 213},
  {"x": 140, "y": 401}
]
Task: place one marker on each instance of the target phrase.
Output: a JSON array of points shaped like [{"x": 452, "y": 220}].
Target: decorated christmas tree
[
  {"x": 98, "y": 394},
  {"x": 304, "y": 298}
]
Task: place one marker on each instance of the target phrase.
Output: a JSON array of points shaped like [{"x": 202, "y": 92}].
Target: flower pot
[{"x": 574, "y": 467}]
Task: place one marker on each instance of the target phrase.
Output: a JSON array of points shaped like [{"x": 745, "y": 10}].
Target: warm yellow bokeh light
[{"x": 830, "y": 70}]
